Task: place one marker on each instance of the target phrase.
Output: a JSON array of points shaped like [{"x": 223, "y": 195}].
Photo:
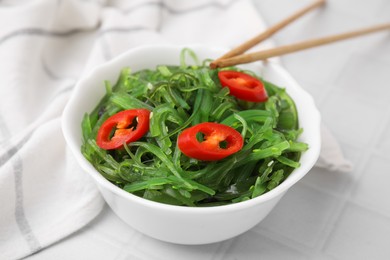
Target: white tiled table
[{"x": 327, "y": 215}]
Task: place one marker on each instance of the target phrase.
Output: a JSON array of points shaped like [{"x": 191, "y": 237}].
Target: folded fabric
[
  {"x": 331, "y": 156},
  {"x": 45, "y": 46}
]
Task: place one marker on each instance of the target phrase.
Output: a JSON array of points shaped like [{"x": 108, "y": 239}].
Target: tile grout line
[
  {"x": 270, "y": 235},
  {"x": 223, "y": 248},
  {"x": 346, "y": 198}
]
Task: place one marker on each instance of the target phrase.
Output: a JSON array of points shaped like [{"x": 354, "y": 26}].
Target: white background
[{"x": 327, "y": 215}]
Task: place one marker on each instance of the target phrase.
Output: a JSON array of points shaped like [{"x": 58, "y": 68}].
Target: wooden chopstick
[
  {"x": 262, "y": 55},
  {"x": 270, "y": 31}
]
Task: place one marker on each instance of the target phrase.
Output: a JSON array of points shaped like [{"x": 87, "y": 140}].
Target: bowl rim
[{"x": 294, "y": 177}]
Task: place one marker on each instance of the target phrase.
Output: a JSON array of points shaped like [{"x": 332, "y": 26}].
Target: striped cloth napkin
[{"x": 45, "y": 46}]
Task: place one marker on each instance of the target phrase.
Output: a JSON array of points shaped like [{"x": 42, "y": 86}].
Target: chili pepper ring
[
  {"x": 124, "y": 130},
  {"x": 219, "y": 141}
]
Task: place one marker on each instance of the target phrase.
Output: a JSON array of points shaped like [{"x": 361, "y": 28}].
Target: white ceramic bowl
[{"x": 179, "y": 224}]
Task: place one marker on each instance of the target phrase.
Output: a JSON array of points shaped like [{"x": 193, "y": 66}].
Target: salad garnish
[
  {"x": 243, "y": 86},
  {"x": 209, "y": 141},
  {"x": 123, "y": 127}
]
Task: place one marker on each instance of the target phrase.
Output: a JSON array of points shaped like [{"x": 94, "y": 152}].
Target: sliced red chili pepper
[
  {"x": 210, "y": 141},
  {"x": 122, "y": 128},
  {"x": 243, "y": 86}
]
